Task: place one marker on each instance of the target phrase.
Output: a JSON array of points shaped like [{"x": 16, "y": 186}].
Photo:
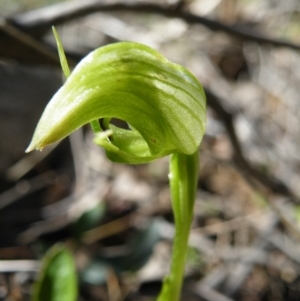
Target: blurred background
[{"x": 244, "y": 242}]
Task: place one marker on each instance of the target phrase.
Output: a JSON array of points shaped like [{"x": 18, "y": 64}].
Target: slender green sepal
[
  {"x": 183, "y": 183},
  {"x": 66, "y": 70},
  {"x": 61, "y": 53}
]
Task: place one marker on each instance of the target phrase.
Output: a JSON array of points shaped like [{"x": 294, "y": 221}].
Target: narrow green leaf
[{"x": 57, "y": 279}]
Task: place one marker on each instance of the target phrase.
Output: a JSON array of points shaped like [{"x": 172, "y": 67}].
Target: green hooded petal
[{"x": 162, "y": 102}]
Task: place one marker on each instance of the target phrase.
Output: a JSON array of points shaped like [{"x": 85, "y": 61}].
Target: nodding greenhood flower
[{"x": 162, "y": 102}]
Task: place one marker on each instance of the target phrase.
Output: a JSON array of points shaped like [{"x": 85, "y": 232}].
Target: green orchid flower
[
  {"x": 162, "y": 102},
  {"x": 164, "y": 106}
]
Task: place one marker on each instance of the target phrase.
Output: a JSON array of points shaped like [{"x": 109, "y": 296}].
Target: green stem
[
  {"x": 183, "y": 184},
  {"x": 95, "y": 126}
]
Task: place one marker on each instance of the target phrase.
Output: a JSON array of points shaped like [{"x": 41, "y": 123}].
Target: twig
[
  {"x": 59, "y": 215},
  {"x": 246, "y": 255},
  {"x": 23, "y": 47},
  {"x": 111, "y": 228},
  {"x": 238, "y": 273},
  {"x": 284, "y": 244},
  {"x": 11, "y": 266},
  {"x": 27, "y": 163},
  {"x": 287, "y": 219},
  {"x": 43, "y": 227},
  {"x": 38, "y": 21},
  {"x": 275, "y": 185},
  {"x": 231, "y": 277},
  {"x": 79, "y": 156},
  {"x": 214, "y": 278},
  {"x": 113, "y": 286},
  {"x": 23, "y": 188},
  {"x": 229, "y": 225},
  {"x": 209, "y": 294}
]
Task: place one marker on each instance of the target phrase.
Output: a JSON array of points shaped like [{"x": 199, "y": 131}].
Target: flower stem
[
  {"x": 183, "y": 183},
  {"x": 95, "y": 126}
]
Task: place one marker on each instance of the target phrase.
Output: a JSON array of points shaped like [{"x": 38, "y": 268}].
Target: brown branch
[
  {"x": 227, "y": 118},
  {"x": 38, "y": 21},
  {"x": 22, "y": 47}
]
